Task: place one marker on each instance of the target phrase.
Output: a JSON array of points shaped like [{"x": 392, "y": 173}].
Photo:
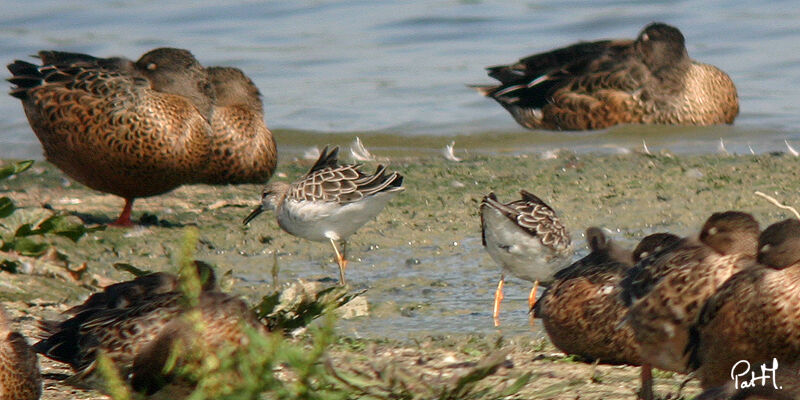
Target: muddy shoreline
[{"x": 409, "y": 256}]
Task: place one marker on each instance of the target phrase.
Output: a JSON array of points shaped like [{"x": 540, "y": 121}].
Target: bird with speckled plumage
[
  {"x": 527, "y": 239},
  {"x": 582, "y": 311},
  {"x": 665, "y": 291},
  {"x": 143, "y": 128},
  {"x": 330, "y": 202},
  {"x": 140, "y": 325},
  {"x": 595, "y": 85},
  {"x": 242, "y": 147},
  {"x": 755, "y": 315},
  {"x": 20, "y": 378}
]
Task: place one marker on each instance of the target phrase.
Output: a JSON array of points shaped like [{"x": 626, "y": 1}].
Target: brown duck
[
  {"x": 755, "y": 315},
  {"x": 19, "y": 368},
  {"x": 594, "y": 85},
  {"x": 138, "y": 323},
  {"x": 579, "y": 308},
  {"x": 139, "y": 129},
  {"x": 242, "y": 148},
  {"x": 667, "y": 290},
  {"x": 582, "y": 311}
]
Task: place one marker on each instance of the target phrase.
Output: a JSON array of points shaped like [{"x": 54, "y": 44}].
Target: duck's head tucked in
[
  {"x": 176, "y": 71},
  {"x": 662, "y": 46},
  {"x": 233, "y": 87},
  {"x": 243, "y": 149},
  {"x": 595, "y": 85},
  {"x": 779, "y": 244},
  {"x": 731, "y": 232},
  {"x": 142, "y": 128},
  {"x": 654, "y": 244},
  {"x": 598, "y": 243}
]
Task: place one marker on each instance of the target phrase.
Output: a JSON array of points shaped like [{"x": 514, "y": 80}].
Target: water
[
  {"x": 395, "y": 73},
  {"x": 447, "y": 289},
  {"x": 389, "y": 69}
]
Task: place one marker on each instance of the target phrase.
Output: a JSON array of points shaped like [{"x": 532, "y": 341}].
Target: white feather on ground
[
  {"x": 721, "y": 147},
  {"x": 792, "y": 151},
  {"x": 449, "y": 152},
  {"x": 312, "y": 153}
]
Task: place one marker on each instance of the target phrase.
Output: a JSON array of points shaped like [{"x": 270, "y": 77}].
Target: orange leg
[
  {"x": 532, "y": 303},
  {"x": 498, "y": 297},
  {"x": 125, "y": 217},
  {"x": 341, "y": 260},
  {"x": 532, "y": 296},
  {"x": 646, "y": 391}
]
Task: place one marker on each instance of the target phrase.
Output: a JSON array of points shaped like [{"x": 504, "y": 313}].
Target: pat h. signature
[{"x": 741, "y": 370}]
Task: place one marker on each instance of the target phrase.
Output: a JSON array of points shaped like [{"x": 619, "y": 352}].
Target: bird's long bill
[{"x": 253, "y": 214}]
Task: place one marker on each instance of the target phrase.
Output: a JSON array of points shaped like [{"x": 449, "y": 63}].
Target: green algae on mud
[
  {"x": 421, "y": 258},
  {"x": 633, "y": 194}
]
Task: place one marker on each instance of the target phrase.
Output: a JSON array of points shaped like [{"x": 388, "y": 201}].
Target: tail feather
[
  {"x": 485, "y": 90},
  {"x": 327, "y": 159},
  {"x": 64, "y": 58},
  {"x": 22, "y": 68},
  {"x": 25, "y": 76}
]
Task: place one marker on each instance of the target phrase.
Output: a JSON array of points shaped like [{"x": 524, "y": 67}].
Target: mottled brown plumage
[
  {"x": 242, "y": 148},
  {"x": 130, "y": 129},
  {"x": 19, "y": 367},
  {"x": 581, "y": 309},
  {"x": 138, "y": 332},
  {"x": 755, "y": 315},
  {"x": 139, "y": 129},
  {"x": 127, "y": 293},
  {"x": 668, "y": 290},
  {"x": 594, "y": 85}
]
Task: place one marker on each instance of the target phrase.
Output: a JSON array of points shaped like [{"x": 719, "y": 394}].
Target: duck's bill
[{"x": 252, "y": 215}]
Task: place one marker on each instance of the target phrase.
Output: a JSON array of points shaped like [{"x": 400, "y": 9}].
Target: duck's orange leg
[{"x": 125, "y": 216}]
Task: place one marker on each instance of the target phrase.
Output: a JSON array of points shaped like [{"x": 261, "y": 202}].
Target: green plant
[
  {"x": 273, "y": 366},
  {"x": 391, "y": 382},
  {"x": 20, "y": 233},
  {"x": 296, "y": 306}
]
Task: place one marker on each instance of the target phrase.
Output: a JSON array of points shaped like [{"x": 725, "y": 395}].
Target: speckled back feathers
[
  {"x": 594, "y": 85},
  {"x": 20, "y": 378},
  {"x": 581, "y": 310}
]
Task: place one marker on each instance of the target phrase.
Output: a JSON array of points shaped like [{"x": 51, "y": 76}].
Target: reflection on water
[{"x": 399, "y": 69}]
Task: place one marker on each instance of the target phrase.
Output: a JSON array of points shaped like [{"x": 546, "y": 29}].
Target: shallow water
[
  {"x": 421, "y": 260},
  {"x": 392, "y": 70},
  {"x": 394, "y": 73}
]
